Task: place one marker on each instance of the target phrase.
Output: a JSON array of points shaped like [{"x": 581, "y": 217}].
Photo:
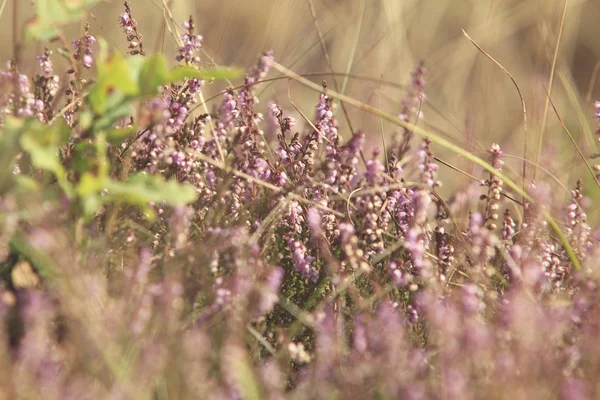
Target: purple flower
[
  {"x": 427, "y": 167},
  {"x": 130, "y": 28},
  {"x": 83, "y": 48},
  {"x": 191, "y": 44},
  {"x": 16, "y": 97}
]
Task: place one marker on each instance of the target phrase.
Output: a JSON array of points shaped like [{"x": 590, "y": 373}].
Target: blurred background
[{"x": 470, "y": 99}]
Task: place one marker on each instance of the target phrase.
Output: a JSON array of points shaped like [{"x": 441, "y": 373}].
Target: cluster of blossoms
[
  {"x": 306, "y": 267},
  {"x": 16, "y": 97},
  {"x": 158, "y": 148},
  {"x": 46, "y": 87},
  {"x": 191, "y": 44},
  {"x": 494, "y": 185},
  {"x": 130, "y": 28},
  {"x": 82, "y": 56},
  {"x": 411, "y": 109},
  {"x": 84, "y": 48}
]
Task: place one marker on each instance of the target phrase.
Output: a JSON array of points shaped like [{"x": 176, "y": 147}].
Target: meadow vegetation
[{"x": 159, "y": 242}]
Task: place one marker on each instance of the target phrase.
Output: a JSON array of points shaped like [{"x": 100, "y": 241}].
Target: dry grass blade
[
  {"x": 591, "y": 84},
  {"x": 523, "y": 106},
  {"x": 269, "y": 219},
  {"x": 2, "y": 7},
  {"x": 465, "y": 173},
  {"x": 550, "y": 84},
  {"x": 361, "y": 13},
  {"x": 562, "y": 185},
  {"x": 589, "y": 167},
  {"x": 385, "y": 151},
  {"x": 66, "y": 108},
  {"x": 313, "y": 13},
  {"x": 573, "y": 99},
  {"x": 261, "y": 340}
]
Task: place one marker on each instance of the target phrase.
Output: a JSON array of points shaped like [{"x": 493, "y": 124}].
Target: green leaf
[
  {"x": 89, "y": 184},
  {"x": 45, "y": 158},
  {"x": 215, "y": 73},
  {"x": 141, "y": 189},
  {"x": 112, "y": 115},
  {"x": 83, "y": 157},
  {"x": 42, "y": 143},
  {"x": 184, "y": 72},
  {"x": 41, "y": 30},
  {"x": 244, "y": 376},
  {"x": 117, "y": 135},
  {"x": 88, "y": 191},
  {"x": 154, "y": 73},
  {"x": 114, "y": 79},
  {"x": 51, "y": 14},
  {"x": 27, "y": 183},
  {"x": 9, "y": 143}
]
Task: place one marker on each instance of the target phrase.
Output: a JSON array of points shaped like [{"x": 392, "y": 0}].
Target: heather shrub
[{"x": 158, "y": 244}]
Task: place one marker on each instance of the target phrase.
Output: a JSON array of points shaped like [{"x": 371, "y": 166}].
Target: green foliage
[
  {"x": 117, "y": 79},
  {"x": 9, "y": 142},
  {"x": 97, "y": 187},
  {"x": 120, "y": 79},
  {"x": 140, "y": 189},
  {"x": 118, "y": 135},
  {"x": 41, "y": 142},
  {"x": 244, "y": 375},
  {"x": 52, "y": 14}
]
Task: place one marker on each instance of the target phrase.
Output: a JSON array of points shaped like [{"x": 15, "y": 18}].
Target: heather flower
[
  {"x": 299, "y": 254},
  {"x": 577, "y": 231},
  {"x": 507, "y": 234},
  {"x": 326, "y": 124},
  {"x": 553, "y": 266},
  {"x": 445, "y": 251},
  {"x": 347, "y": 159},
  {"x": 81, "y": 56},
  {"x": 369, "y": 209},
  {"x": 285, "y": 123},
  {"x": 83, "y": 48},
  {"x": 228, "y": 110},
  {"x": 302, "y": 261},
  {"x": 494, "y": 185},
  {"x": 482, "y": 242},
  {"x": 46, "y": 64},
  {"x": 402, "y": 208},
  {"x": 508, "y": 228},
  {"x": 191, "y": 44},
  {"x": 353, "y": 254},
  {"x": 597, "y": 116},
  {"x": 261, "y": 69},
  {"x": 400, "y": 274},
  {"x": 298, "y": 354},
  {"x": 46, "y": 86},
  {"x": 374, "y": 172},
  {"x": 246, "y": 98},
  {"x": 269, "y": 292},
  {"x": 427, "y": 167},
  {"x": 16, "y": 97},
  {"x": 411, "y": 109},
  {"x": 130, "y": 28}
]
